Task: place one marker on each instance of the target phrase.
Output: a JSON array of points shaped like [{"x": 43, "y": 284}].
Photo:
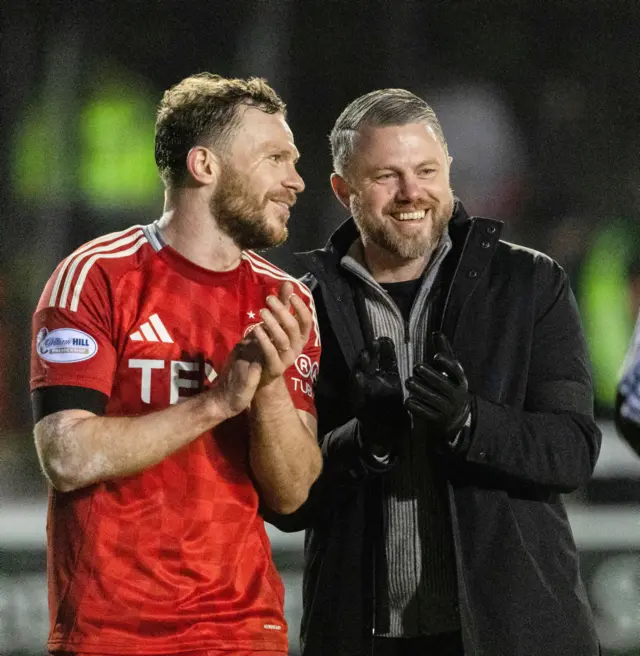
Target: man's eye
[
  {"x": 384, "y": 176},
  {"x": 276, "y": 157}
]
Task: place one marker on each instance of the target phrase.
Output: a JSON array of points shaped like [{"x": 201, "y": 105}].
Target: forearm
[
  {"x": 346, "y": 468},
  {"x": 77, "y": 448},
  {"x": 556, "y": 451},
  {"x": 284, "y": 454}
]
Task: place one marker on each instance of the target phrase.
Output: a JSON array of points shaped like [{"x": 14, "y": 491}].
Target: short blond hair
[{"x": 202, "y": 109}]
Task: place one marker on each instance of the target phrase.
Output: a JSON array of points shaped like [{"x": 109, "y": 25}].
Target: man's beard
[
  {"x": 407, "y": 247},
  {"x": 242, "y": 215}
]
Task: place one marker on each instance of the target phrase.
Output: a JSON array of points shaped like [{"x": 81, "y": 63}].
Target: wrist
[
  {"x": 267, "y": 379},
  {"x": 215, "y": 406},
  {"x": 372, "y": 440},
  {"x": 375, "y": 457},
  {"x": 272, "y": 389},
  {"x": 273, "y": 398},
  {"x": 459, "y": 440}
]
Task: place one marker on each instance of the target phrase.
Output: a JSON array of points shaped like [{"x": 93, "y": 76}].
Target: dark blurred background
[{"x": 539, "y": 103}]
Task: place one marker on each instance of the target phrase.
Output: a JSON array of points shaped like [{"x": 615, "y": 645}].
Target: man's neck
[{"x": 188, "y": 226}]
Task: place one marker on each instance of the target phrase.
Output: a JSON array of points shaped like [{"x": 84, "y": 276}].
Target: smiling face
[
  {"x": 397, "y": 188},
  {"x": 258, "y": 181}
]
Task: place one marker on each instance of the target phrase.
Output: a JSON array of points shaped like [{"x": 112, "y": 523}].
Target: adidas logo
[{"x": 152, "y": 331}]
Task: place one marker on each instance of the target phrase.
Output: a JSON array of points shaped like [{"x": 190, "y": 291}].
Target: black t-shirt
[{"x": 403, "y": 294}]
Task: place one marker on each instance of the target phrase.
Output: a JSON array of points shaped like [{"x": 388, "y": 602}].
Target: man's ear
[
  {"x": 341, "y": 189},
  {"x": 203, "y": 165}
]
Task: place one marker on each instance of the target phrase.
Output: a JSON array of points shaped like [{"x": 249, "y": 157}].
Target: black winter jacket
[{"x": 513, "y": 323}]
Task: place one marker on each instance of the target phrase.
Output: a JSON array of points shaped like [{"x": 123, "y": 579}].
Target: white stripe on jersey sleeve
[
  {"x": 260, "y": 265},
  {"x": 99, "y": 249},
  {"x": 79, "y": 251},
  {"x": 98, "y": 256}
]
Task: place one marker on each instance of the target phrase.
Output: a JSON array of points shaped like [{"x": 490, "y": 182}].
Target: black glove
[
  {"x": 439, "y": 393},
  {"x": 378, "y": 397}
]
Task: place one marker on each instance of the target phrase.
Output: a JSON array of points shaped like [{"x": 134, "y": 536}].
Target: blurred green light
[
  {"x": 604, "y": 305},
  {"x": 103, "y": 153},
  {"x": 116, "y": 160}
]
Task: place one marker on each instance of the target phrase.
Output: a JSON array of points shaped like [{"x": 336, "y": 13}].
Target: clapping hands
[
  {"x": 282, "y": 334},
  {"x": 439, "y": 392}
]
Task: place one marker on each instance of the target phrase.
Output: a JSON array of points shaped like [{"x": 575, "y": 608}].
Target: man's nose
[
  {"x": 409, "y": 189},
  {"x": 294, "y": 181}
]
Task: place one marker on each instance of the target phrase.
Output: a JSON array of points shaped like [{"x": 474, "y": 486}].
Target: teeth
[{"x": 410, "y": 216}]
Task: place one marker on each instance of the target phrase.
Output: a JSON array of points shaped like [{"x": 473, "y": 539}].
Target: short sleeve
[
  {"x": 301, "y": 377},
  {"x": 72, "y": 342}
]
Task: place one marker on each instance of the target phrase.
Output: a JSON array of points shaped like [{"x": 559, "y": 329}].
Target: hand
[
  {"x": 439, "y": 393},
  {"x": 238, "y": 381},
  {"x": 378, "y": 396},
  {"x": 283, "y": 333}
]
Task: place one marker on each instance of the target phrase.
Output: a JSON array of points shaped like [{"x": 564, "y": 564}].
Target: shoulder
[
  {"x": 272, "y": 276},
  {"x": 480, "y": 232},
  {"x": 95, "y": 268},
  {"x": 528, "y": 261},
  {"x": 269, "y": 274},
  {"x": 533, "y": 275}
]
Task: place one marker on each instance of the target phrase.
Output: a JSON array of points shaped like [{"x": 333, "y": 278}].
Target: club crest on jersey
[
  {"x": 65, "y": 345},
  {"x": 249, "y": 328}
]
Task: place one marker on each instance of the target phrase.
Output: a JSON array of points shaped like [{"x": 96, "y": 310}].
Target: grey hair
[{"x": 379, "y": 108}]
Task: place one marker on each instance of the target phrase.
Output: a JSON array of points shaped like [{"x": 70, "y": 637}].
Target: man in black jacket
[{"x": 455, "y": 407}]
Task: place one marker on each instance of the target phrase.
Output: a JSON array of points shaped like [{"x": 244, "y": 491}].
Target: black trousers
[{"x": 443, "y": 644}]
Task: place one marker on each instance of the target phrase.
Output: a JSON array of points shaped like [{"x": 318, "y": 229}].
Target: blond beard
[
  {"x": 243, "y": 215},
  {"x": 407, "y": 248}
]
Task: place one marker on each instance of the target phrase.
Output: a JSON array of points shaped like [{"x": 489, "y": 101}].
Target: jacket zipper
[{"x": 470, "y": 631}]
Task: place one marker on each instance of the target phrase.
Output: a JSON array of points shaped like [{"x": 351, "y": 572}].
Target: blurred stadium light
[
  {"x": 603, "y": 296},
  {"x": 99, "y": 150}
]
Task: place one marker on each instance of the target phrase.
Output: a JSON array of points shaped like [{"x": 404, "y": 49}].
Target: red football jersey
[{"x": 175, "y": 558}]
